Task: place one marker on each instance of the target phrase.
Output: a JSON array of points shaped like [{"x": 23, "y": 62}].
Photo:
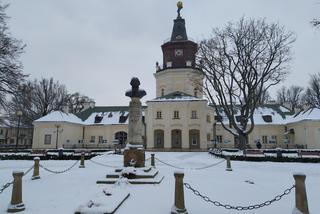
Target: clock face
[{"x": 178, "y": 52}]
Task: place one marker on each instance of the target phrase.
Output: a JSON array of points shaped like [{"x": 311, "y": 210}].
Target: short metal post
[
  {"x": 228, "y": 164},
  {"x": 82, "y": 161},
  {"x": 36, "y": 168},
  {"x": 178, "y": 206},
  {"x": 16, "y": 204},
  {"x": 152, "y": 160},
  {"x": 301, "y": 194}
]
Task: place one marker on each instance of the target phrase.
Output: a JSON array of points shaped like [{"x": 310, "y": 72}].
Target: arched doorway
[
  {"x": 121, "y": 136},
  {"x": 194, "y": 139},
  {"x": 176, "y": 142},
  {"x": 158, "y": 138}
]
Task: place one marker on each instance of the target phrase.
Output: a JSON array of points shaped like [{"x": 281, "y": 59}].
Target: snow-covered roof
[
  {"x": 264, "y": 116},
  {"x": 310, "y": 114},
  {"x": 107, "y": 118},
  {"x": 101, "y": 118},
  {"x": 58, "y": 116}
]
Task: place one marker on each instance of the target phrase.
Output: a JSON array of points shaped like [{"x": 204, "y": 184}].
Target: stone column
[
  {"x": 36, "y": 168},
  {"x": 16, "y": 204},
  {"x": 178, "y": 206},
  {"x": 152, "y": 160},
  {"x": 228, "y": 164},
  {"x": 82, "y": 161},
  {"x": 301, "y": 194}
]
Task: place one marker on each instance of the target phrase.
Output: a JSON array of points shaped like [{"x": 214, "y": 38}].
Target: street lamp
[
  {"x": 19, "y": 114},
  {"x": 57, "y": 134}
]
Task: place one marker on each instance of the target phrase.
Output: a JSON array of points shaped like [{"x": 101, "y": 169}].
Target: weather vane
[{"x": 180, "y": 6}]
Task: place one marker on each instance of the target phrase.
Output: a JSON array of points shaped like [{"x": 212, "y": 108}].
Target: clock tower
[{"x": 178, "y": 72}]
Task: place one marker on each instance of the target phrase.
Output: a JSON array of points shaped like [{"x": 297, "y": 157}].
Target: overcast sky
[{"x": 96, "y": 46}]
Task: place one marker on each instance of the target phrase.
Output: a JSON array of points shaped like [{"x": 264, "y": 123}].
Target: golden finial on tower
[{"x": 180, "y": 6}]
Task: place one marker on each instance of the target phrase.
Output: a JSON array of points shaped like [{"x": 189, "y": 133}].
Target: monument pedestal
[{"x": 134, "y": 157}]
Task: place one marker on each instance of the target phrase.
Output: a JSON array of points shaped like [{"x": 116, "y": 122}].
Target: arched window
[
  {"x": 194, "y": 138},
  {"x": 162, "y": 92},
  {"x": 158, "y": 138},
  {"x": 121, "y": 136}
]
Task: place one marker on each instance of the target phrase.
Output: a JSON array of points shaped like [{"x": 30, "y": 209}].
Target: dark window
[
  {"x": 267, "y": 118},
  {"x": 159, "y": 115},
  {"x": 93, "y": 139},
  {"x": 98, "y": 119},
  {"x": 176, "y": 115},
  {"x": 219, "y": 138}
]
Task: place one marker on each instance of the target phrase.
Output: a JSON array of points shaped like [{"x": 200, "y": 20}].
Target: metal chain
[
  {"x": 5, "y": 186},
  {"x": 105, "y": 165},
  {"x": 59, "y": 172},
  {"x": 197, "y": 168},
  {"x": 239, "y": 208}
]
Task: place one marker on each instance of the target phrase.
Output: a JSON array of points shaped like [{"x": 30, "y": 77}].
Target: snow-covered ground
[{"x": 63, "y": 193}]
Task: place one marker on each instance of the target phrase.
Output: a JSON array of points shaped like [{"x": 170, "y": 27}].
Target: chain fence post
[
  {"x": 16, "y": 204},
  {"x": 301, "y": 194},
  {"x": 82, "y": 161},
  {"x": 152, "y": 160},
  {"x": 179, "y": 206},
  {"x": 36, "y": 169},
  {"x": 228, "y": 164}
]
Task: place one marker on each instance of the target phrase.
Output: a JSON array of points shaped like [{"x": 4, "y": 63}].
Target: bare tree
[
  {"x": 76, "y": 102},
  {"x": 36, "y": 99},
  {"x": 312, "y": 95},
  {"x": 10, "y": 67},
  {"x": 291, "y": 96},
  {"x": 315, "y": 22},
  {"x": 239, "y": 63}
]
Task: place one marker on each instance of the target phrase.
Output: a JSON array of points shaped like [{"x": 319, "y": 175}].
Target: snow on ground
[{"x": 63, "y": 193}]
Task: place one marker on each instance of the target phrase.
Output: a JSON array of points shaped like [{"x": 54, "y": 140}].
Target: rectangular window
[
  {"x": 264, "y": 139},
  {"x": 100, "y": 139},
  {"x": 47, "y": 139},
  {"x": 1, "y": 131},
  {"x": 11, "y": 141},
  {"x": 193, "y": 114},
  {"x": 176, "y": 115},
  {"x": 219, "y": 138},
  {"x": 273, "y": 139},
  {"x": 93, "y": 139},
  {"x": 159, "y": 115}
]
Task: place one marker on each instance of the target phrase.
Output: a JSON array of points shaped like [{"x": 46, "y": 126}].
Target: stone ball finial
[{"x": 135, "y": 82}]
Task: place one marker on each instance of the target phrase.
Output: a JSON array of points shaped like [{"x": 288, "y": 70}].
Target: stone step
[
  {"x": 106, "y": 202},
  {"x": 155, "y": 180}
]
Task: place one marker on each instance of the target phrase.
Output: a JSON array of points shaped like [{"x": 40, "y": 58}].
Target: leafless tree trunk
[
  {"x": 239, "y": 63},
  {"x": 312, "y": 95},
  {"x": 10, "y": 67}
]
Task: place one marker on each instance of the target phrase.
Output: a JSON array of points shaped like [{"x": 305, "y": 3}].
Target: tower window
[
  {"x": 193, "y": 114},
  {"x": 176, "y": 115},
  {"x": 195, "y": 92},
  {"x": 159, "y": 115},
  {"x": 169, "y": 64}
]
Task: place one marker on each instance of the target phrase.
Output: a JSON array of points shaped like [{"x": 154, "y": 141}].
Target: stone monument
[{"x": 134, "y": 152}]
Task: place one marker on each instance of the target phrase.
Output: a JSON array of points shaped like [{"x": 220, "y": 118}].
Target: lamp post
[
  {"x": 57, "y": 132},
  {"x": 19, "y": 114}
]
